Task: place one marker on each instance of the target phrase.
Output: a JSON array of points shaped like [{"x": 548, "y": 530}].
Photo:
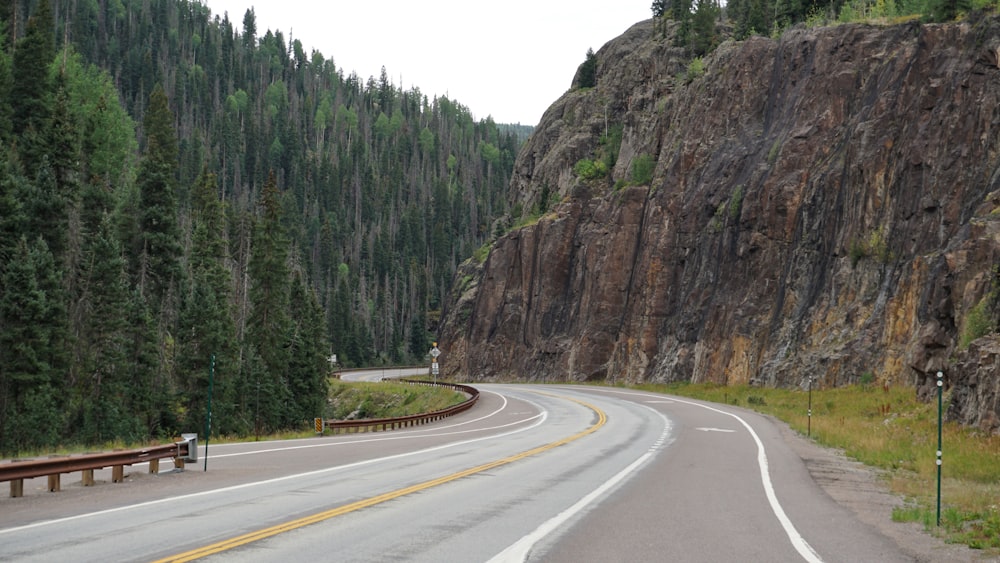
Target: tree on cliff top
[{"x": 588, "y": 71}]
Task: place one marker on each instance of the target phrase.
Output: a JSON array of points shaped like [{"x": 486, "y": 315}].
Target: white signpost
[{"x": 435, "y": 352}]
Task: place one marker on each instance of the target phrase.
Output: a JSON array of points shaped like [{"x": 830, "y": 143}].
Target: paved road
[
  {"x": 539, "y": 473},
  {"x": 378, "y": 374}
]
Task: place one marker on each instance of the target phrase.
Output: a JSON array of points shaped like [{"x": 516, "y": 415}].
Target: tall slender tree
[
  {"x": 269, "y": 325},
  {"x": 159, "y": 234},
  {"x": 307, "y": 370},
  {"x": 207, "y": 326},
  {"x": 31, "y": 91},
  {"x": 104, "y": 409}
]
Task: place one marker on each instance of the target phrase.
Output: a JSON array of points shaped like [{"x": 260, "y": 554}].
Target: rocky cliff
[{"x": 822, "y": 205}]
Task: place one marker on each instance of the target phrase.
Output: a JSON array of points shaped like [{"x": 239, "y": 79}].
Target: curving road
[{"x": 537, "y": 473}]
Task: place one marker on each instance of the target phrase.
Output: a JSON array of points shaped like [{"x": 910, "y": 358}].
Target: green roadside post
[
  {"x": 940, "y": 386},
  {"x": 208, "y": 415},
  {"x": 809, "y": 412}
]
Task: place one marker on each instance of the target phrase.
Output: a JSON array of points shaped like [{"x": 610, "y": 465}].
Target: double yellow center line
[{"x": 258, "y": 535}]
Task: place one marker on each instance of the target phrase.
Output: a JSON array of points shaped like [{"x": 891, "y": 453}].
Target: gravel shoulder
[{"x": 861, "y": 489}]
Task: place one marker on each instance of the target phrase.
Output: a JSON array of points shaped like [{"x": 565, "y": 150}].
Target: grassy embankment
[
  {"x": 387, "y": 399},
  {"x": 892, "y": 431}
]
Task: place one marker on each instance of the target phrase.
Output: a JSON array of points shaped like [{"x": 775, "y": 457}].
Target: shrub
[
  {"x": 695, "y": 69},
  {"x": 977, "y": 324},
  {"x": 642, "y": 170},
  {"x": 588, "y": 169},
  {"x": 735, "y": 203}
]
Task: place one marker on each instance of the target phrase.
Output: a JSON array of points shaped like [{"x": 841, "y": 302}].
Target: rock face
[
  {"x": 975, "y": 400},
  {"x": 822, "y": 205}
]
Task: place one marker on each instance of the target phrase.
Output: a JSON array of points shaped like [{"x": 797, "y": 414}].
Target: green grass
[
  {"x": 891, "y": 430},
  {"x": 386, "y": 399}
]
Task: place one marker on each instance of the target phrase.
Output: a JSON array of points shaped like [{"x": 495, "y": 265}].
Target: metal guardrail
[
  {"x": 187, "y": 450},
  {"x": 53, "y": 467},
  {"x": 377, "y": 424}
]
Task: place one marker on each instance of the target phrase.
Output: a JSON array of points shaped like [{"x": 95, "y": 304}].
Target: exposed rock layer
[{"x": 823, "y": 205}]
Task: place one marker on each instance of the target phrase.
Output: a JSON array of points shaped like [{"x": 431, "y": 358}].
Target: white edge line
[
  {"x": 519, "y": 550},
  {"x": 539, "y": 419},
  {"x": 798, "y": 542}
]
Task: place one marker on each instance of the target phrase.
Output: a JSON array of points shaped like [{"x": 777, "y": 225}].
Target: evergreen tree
[
  {"x": 588, "y": 71},
  {"x": 13, "y": 216},
  {"x": 703, "y": 35},
  {"x": 681, "y": 12},
  {"x": 30, "y": 97},
  {"x": 269, "y": 324},
  {"x": 158, "y": 230},
  {"x": 104, "y": 406},
  {"x": 207, "y": 327},
  {"x": 148, "y": 393},
  {"x": 32, "y": 341},
  {"x": 6, "y": 84},
  {"x": 307, "y": 370}
]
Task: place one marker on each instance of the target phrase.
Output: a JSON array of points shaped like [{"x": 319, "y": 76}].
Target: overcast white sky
[{"x": 510, "y": 59}]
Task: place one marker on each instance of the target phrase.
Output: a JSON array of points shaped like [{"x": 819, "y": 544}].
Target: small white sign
[{"x": 435, "y": 352}]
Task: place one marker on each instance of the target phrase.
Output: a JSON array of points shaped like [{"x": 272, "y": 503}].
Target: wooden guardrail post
[
  {"x": 154, "y": 466},
  {"x": 117, "y": 473},
  {"x": 88, "y": 477},
  {"x": 17, "y": 488}
]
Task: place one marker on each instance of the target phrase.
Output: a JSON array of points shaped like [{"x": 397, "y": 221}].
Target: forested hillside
[{"x": 185, "y": 198}]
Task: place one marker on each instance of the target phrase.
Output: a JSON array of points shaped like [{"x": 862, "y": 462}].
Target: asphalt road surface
[{"x": 532, "y": 473}]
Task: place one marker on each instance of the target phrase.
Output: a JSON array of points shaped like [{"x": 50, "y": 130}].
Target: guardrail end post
[
  {"x": 192, "y": 442},
  {"x": 88, "y": 478},
  {"x": 178, "y": 463},
  {"x": 17, "y": 488},
  {"x": 118, "y": 474},
  {"x": 154, "y": 466},
  {"x": 54, "y": 483}
]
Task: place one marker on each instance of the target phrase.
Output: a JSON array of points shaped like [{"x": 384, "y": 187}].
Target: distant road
[
  {"x": 377, "y": 374},
  {"x": 537, "y": 473}
]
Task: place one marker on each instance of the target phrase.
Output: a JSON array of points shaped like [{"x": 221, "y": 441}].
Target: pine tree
[
  {"x": 6, "y": 84},
  {"x": 703, "y": 35},
  {"x": 207, "y": 326},
  {"x": 588, "y": 71},
  {"x": 13, "y": 216},
  {"x": 148, "y": 395},
  {"x": 32, "y": 333},
  {"x": 104, "y": 407},
  {"x": 307, "y": 370},
  {"x": 680, "y": 11},
  {"x": 158, "y": 230},
  {"x": 30, "y": 95},
  {"x": 269, "y": 324}
]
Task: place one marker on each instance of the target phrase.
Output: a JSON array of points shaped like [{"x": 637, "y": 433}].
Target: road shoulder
[{"x": 862, "y": 490}]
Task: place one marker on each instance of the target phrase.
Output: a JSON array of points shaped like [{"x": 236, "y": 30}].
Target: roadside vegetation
[
  {"x": 354, "y": 400},
  {"x": 358, "y": 400},
  {"x": 889, "y": 429}
]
